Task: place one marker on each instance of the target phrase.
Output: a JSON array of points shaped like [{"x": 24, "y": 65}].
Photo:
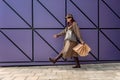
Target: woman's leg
[
  {"x": 54, "y": 60},
  {"x": 77, "y": 63}
]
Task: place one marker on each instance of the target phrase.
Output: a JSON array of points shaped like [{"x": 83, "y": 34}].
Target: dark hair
[{"x": 70, "y": 23}]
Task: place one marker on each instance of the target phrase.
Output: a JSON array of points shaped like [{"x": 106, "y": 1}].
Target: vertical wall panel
[
  {"x": 107, "y": 50},
  {"x": 45, "y": 18},
  {"x": 22, "y": 38},
  {"x": 9, "y": 19},
  {"x": 114, "y": 5},
  {"x": 79, "y": 16},
  {"x": 89, "y": 8},
  {"x": 23, "y": 7},
  {"x": 107, "y": 18},
  {"x": 9, "y": 52}
]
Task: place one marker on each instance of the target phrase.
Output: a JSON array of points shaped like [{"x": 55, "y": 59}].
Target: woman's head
[{"x": 69, "y": 18}]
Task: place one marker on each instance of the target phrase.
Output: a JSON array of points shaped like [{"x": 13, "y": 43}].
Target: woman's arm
[
  {"x": 61, "y": 33},
  {"x": 77, "y": 32}
]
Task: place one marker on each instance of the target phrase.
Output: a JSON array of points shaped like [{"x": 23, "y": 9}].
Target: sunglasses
[{"x": 68, "y": 17}]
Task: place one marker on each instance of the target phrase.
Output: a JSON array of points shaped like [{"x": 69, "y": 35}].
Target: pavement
[{"x": 102, "y": 71}]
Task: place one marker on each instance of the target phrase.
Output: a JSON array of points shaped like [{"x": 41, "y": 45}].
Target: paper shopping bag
[{"x": 82, "y": 49}]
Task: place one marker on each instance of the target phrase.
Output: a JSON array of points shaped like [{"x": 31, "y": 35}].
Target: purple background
[{"x": 26, "y": 31}]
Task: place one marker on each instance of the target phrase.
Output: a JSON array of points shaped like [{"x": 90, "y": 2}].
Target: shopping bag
[{"x": 82, "y": 49}]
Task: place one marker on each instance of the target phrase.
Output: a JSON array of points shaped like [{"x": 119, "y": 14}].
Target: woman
[{"x": 72, "y": 35}]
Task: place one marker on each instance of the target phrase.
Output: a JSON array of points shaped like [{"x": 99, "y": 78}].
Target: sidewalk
[{"x": 105, "y": 71}]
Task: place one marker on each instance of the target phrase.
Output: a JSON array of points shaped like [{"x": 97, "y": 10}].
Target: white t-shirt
[{"x": 70, "y": 36}]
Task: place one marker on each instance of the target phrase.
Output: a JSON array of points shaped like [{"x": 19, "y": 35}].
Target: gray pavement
[{"x": 104, "y": 71}]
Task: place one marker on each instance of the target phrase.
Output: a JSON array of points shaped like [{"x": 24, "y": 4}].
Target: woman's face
[{"x": 68, "y": 19}]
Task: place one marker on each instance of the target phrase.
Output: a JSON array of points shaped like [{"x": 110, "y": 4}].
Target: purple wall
[{"x": 27, "y": 28}]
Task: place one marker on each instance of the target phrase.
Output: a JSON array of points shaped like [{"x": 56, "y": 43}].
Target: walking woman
[{"x": 72, "y": 35}]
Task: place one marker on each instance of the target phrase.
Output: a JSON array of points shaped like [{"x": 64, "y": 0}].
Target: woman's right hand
[
  {"x": 55, "y": 36},
  {"x": 82, "y": 42}
]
